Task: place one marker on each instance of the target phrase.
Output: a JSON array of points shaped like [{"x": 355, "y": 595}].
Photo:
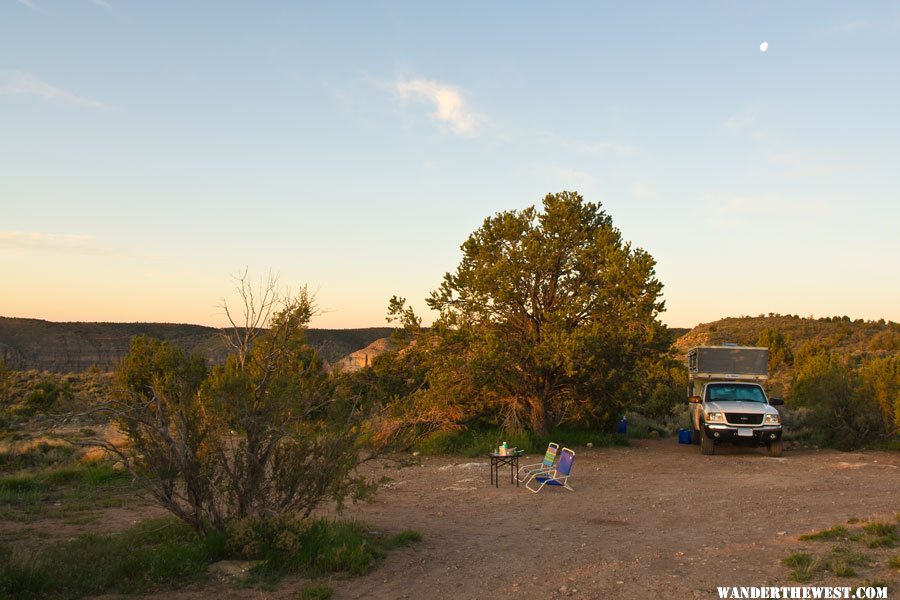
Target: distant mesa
[
  {"x": 71, "y": 347},
  {"x": 362, "y": 358},
  {"x": 840, "y": 334}
]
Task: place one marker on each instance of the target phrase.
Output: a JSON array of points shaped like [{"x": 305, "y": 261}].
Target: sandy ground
[
  {"x": 653, "y": 520},
  {"x": 656, "y": 519}
]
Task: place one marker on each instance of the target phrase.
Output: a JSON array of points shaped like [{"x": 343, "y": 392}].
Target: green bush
[
  {"x": 40, "y": 455},
  {"x": 879, "y": 534},
  {"x": 46, "y": 395},
  {"x": 166, "y": 552},
  {"x": 481, "y": 441},
  {"x": 843, "y": 416},
  {"x": 158, "y": 551},
  {"x": 803, "y": 566},
  {"x": 831, "y": 533},
  {"x": 316, "y": 592},
  {"x": 21, "y": 482},
  {"x": 28, "y": 488},
  {"x": 309, "y": 547},
  {"x": 403, "y": 539}
]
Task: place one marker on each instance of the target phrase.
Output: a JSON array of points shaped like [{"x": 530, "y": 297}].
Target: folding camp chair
[
  {"x": 544, "y": 466},
  {"x": 556, "y": 476}
]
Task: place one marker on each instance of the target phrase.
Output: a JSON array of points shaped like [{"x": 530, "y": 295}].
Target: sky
[{"x": 151, "y": 151}]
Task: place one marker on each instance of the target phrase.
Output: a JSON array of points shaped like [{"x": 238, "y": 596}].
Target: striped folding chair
[{"x": 546, "y": 465}]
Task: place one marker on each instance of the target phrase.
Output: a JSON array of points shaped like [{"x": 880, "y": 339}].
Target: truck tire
[
  {"x": 707, "y": 445},
  {"x": 775, "y": 448},
  {"x": 695, "y": 433}
]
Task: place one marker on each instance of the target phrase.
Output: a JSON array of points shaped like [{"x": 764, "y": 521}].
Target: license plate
[{"x": 745, "y": 432}]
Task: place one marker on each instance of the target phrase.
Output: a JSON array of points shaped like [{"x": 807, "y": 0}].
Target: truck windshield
[{"x": 731, "y": 392}]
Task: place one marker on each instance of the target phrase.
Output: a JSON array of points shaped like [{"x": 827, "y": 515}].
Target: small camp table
[{"x": 501, "y": 460}]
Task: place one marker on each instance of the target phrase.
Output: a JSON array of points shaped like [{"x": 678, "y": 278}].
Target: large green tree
[{"x": 550, "y": 316}]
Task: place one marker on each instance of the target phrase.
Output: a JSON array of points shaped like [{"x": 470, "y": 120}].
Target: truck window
[{"x": 731, "y": 392}]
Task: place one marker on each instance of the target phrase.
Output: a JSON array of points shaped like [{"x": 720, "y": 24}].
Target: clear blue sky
[{"x": 150, "y": 150}]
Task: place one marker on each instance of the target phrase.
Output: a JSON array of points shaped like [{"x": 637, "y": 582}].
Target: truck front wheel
[
  {"x": 707, "y": 445},
  {"x": 775, "y": 448},
  {"x": 695, "y": 434}
]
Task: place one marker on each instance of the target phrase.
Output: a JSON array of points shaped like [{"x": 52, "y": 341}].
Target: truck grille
[{"x": 743, "y": 418}]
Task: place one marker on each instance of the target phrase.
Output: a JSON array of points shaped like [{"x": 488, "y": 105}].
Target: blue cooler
[{"x": 684, "y": 436}]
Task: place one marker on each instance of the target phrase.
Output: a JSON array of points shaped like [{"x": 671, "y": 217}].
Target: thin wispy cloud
[
  {"x": 448, "y": 102},
  {"x": 27, "y": 4},
  {"x": 849, "y": 27},
  {"x": 567, "y": 177},
  {"x": 453, "y": 109},
  {"x": 587, "y": 147},
  {"x": 102, "y": 4},
  {"x": 804, "y": 165},
  {"x": 20, "y": 83},
  {"x": 747, "y": 123},
  {"x": 59, "y": 242},
  {"x": 644, "y": 191},
  {"x": 21, "y": 242},
  {"x": 727, "y": 210}
]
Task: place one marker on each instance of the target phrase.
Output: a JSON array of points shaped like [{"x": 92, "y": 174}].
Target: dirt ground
[{"x": 656, "y": 519}]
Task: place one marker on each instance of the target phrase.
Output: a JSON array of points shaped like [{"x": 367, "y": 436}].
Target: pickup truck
[{"x": 727, "y": 400}]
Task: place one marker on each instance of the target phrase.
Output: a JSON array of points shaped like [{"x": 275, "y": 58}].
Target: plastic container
[{"x": 684, "y": 436}]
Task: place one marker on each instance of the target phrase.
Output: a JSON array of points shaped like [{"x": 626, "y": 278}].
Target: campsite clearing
[{"x": 656, "y": 519}]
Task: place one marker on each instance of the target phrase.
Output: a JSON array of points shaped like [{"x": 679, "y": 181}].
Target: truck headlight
[
  {"x": 771, "y": 420},
  {"x": 715, "y": 417}
]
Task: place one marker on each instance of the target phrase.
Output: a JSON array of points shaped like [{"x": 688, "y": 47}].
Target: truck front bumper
[{"x": 730, "y": 433}]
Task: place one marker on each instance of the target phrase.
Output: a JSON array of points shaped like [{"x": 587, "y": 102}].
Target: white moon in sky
[{"x": 764, "y": 46}]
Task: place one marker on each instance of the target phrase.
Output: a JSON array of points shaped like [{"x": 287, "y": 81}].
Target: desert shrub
[
  {"x": 880, "y": 534},
  {"x": 880, "y": 381},
  {"x": 5, "y": 382},
  {"x": 20, "y": 482},
  {"x": 316, "y": 591},
  {"x": 887, "y": 340},
  {"x": 46, "y": 395},
  {"x": 832, "y": 533},
  {"x": 779, "y": 349},
  {"x": 843, "y": 416},
  {"x": 843, "y": 558},
  {"x": 479, "y": 441},
  {"x": 403, "y": 539},
  {"x": 166, "y": 552},
  {"x": 799, "y": 423},
  {"x": 641, "y": 426},
  {"x": 156, "y": 552},
  {"x": 661, "y": 393},
  {"x": 803, "y": 566},
  {"x": 263, "y": 435},
  {"x": 35, "y": 455},
  {"x": 310, "y": 547},
  {"x": 26, "y": 488}
]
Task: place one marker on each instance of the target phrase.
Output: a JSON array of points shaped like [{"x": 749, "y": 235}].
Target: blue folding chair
[
  {"x": 545, "y": 466},
  {"x": 558, "y": 476}
]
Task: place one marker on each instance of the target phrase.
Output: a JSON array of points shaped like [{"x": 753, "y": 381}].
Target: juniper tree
[{"x": 550, "y": 313}]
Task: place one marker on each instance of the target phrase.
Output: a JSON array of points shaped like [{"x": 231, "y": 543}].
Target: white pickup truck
[{"x": 727, "y": 400}]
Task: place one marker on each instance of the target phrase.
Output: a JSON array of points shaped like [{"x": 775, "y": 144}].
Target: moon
[{"x": 764, "y": 46}]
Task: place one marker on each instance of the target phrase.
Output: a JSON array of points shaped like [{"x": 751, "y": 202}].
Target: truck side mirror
[
  {"x": 694, "y": 399},
  {"x": 776, "y": 401}
]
